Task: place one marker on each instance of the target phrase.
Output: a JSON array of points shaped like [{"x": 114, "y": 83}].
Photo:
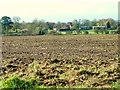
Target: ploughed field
[{"x": 66, "y": 60}]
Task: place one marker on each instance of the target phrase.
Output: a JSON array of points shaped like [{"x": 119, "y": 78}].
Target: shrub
[
  {"x": 78, "y": 31},
  {"x": 102, "y": 30},
  {"x": 86, "y": 32},
  {"x": 118, "y": 30},
  {"x": 113, "y": 32},
  {"x": 16, "y": 82},
  {"x": 58, "y": 33},
  {"x": 96, "y": 30},
  {"x": 106, "y": 32},
  {"x": 53, "y": 32},
  {"x": 69, "y": 32},
  {"x": 116, "y": 85},
  {"x": 42, "y": 32}
]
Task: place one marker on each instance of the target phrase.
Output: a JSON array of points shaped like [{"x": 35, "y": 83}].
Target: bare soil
[{"x": 65, "y": 60}]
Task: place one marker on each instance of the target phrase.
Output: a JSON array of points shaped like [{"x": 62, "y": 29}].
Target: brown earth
[{"x": 65, "y": 60}]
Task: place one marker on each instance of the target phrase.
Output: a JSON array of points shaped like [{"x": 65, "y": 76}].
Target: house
[
  {"x": 85, "y": 27},
  {"x": 70, "y": 24},
  {"x": 99, "y": 27}
]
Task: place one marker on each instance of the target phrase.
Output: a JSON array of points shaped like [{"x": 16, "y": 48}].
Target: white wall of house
[{"x": 98, "y": 27}]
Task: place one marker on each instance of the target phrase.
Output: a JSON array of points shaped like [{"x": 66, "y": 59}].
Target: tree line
[{"x": 41, "y": 27}]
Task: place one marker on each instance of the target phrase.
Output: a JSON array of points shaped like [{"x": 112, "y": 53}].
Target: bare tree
[{"x": 16, "y": 23}]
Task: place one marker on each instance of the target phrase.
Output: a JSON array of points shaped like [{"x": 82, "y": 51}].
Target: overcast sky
[{"x": 59, "y": 10}]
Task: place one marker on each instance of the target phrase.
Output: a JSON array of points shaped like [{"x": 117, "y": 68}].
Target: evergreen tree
[{"x": 108, "y": 25}]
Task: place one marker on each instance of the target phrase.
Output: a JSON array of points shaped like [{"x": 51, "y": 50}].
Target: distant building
[
  {"x": 85, "y": 27},
  {"x": 69, "y": 23},
  {"x": 66, "y": 29},
  {"x": 99, "y": 27},
  {"x": 54, "y": 28}
]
